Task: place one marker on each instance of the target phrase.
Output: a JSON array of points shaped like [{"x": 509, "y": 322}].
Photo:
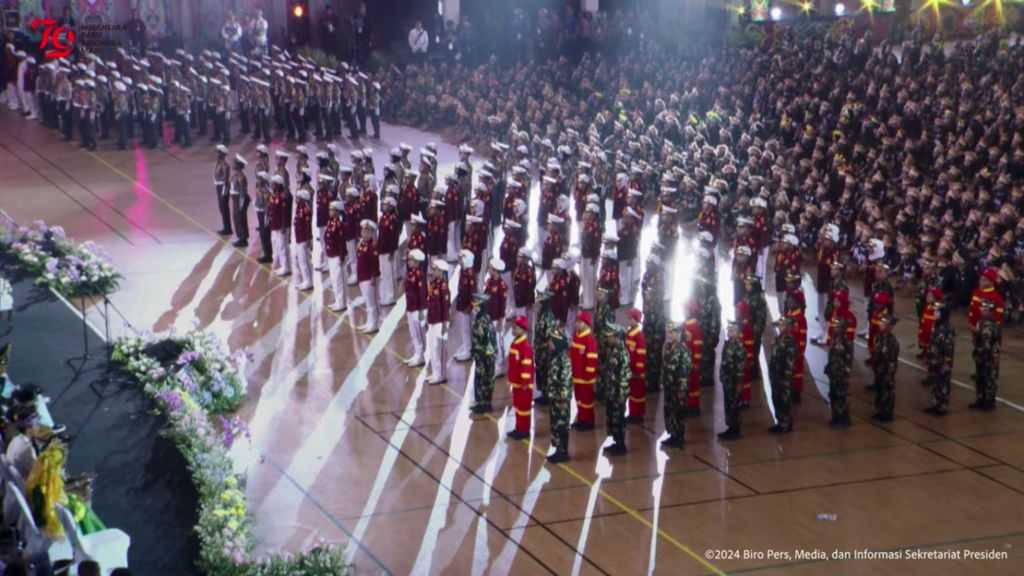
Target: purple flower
[
  {"x": 172, "y": 399},
  {"x": 229, "y": 432},
  {"x": 188, "y": 358},
  {"x": 58, "y": 232},
  {"x": 51, "y": 265},
  {"x": 41, "y": 225}
]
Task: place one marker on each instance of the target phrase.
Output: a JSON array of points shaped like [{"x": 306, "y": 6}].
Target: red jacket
[
  {"x": 524, "y": 285},
  {"x": 583, "y": 356},
  {"x": 590, "y": 240},
  {"x": 974, "y": 312},
  {"x": 323, "y": 202},
  {"x": 709, "y": 221},
  {"x": 388, "y": 232},
  {"x": 334, "y": 240},
  {"x": 636, "y": 344},
  {"x": 438, "y": 301},
  {"x": 415, "y": 290},
  {"x": 467, "y": 287},
  {"x": 303, "y": 223},
  {"x": 559, "y": 288},
  {"x": 498, "y": 291},
  {"x": 367, "y": 261},
  {"x": 520, "y": 364},
  {"x": 277, "y": 211},
  {"x": 368, "y": 204},
  {"x": 417, "y": 241},
  {"x": 695, "y": 342},
  {"x": 552, "y": 249}
]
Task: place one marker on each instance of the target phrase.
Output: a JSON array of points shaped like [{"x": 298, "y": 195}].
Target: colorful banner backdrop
[
  {"x": 758, "y": 10},
  {"x": 93, "y": 12},
  {"x": 154, "y": 14},
  {"x": 29, "y": 10}
]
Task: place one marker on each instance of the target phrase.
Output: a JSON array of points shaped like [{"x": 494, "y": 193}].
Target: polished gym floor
[{"x": 350, "y": 445}]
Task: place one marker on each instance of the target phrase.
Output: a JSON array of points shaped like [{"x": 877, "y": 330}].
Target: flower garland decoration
[
  {"x": 186, "y": 393},
  {"x": 71, "y": 268}
]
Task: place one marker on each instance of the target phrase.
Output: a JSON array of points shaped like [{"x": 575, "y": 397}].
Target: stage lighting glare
[
  {"x": 776, "y": 13},
  {"x": 966, "y": 3},
  {"x": 840, "y": 9},
  {"x": 869, "y": 4},
  {"x": 298, "y": 11},
  {"x": 806, "y": 6}
]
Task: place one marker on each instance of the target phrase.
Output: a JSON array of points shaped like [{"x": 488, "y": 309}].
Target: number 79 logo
[{"x": 52, "y": 36}]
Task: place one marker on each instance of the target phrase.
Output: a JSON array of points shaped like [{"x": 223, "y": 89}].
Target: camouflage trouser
[
  {"x": 603, "y": 368},
  {"x": 560, "y": 411},
  {"x": 615, "y": 407},
  {"x": 675, "y": 408},
  {"x": 885, "y": 394},
  {"x": 731, "y": 403},
  {"x": 782, "y": 400},
  {"x": 839, "y": 400},
  {"x": 541, "y": 373},
  {"x": 654, "y": 350},
  {"x": 986, "y": 382},
  {"x": 483, "y": 383},
  {"x": 755, "y": 370},
  {"x": 940, "y": 389},
  {"x": 707, "y": 367}
]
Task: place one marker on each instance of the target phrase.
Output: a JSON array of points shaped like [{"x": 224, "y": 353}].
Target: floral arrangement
[
  {"x": 205, "y": 439},
  {"x": 71, "y": 268}
]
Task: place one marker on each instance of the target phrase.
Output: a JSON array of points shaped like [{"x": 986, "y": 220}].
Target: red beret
[
  {"x": 936, "y": 293},
  {"x": 523, "y": 323},
  {"x": 881, "y": 298},
  {"x": 991, "y": 275},
  {"x": 842, "y": 296},
  {"x": 585, "y": 318},
  {"x": 636, "y": 314}
]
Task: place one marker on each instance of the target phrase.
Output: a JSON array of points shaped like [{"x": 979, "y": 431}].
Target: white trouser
[
  {"x": 762, "y": 260},
  {"x": 822, "y": 321},
  {"x": 588, "y": 280},
  {"x": 465, "y": 323},
  {"x": 350, "y": 247},
  {"x": 415, "y": 322},
  {"x": 626, "y": 282},
  {"x": 510, "y": 302},
  {"x": 500, "y": 366},
  {"x": 369, "y": 290},
  {"x": 321, "y": 260},
  {"x": 435, "y": 350},
  {"x": 305, "y": 278},
  {"x": 387, "y": 279},
  {"x": 336, "y": 268},
  {"x": 453, "y": 242},
  {"x": 281, "y": 264},
  {"x": 28, "y": 103},
  {"x": 12, "y": 96}
]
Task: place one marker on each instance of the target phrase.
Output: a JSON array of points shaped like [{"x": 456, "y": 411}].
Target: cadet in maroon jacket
[
  {"x": 416, "y": 304},
  {"x": 334, "y": 247},
  {"x": 277, "y": 214},
  {"x": 368, "y": 275},
  {"x": 497, "y": 290},
  {"x": 438, "y": 301},
  {"x": 368, "y": 200},
  {"x": 436, "y": 230},
  {"x": 323, "y": 202},
  {"x": 463, "y": 303},
  {"x": 388, "y": 232},
  {"x": 351, "y": 227},
  {"x": 303, "y": 227}
]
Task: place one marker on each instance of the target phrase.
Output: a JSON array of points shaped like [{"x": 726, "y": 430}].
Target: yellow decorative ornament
[{"x": 44, "y": 489}]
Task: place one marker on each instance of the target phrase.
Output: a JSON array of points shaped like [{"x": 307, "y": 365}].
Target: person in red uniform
[
  {"x": 437, "y": 230},
  {"x": 787, "y": 260},
  {"x": 609, "y": 279},
  {"x": 747, "y": 335},
  {"x": 709, "y": 219},
  {"x": 590, "y": 252},
  {"x": 794, "y": 310},
  {"x": 417, "y": 236},
  {"x": 583, "y": 356},
  {"x": 694, "y": 338},
  {"x": 408, "y": 198},
  {"x": 351, "y": 227},
  {"x": 323, "y": 201},
  {"x": 334, "y": 248},
  {"x": 388, "y": 233},
  {"x": 927, "y": 321},
  {"x": 620, "y": 195},
  {"x": 759, "y": 231},
  {"x": 452, "y": 216},
  {"x": 368, "y": 275},
  {"x": 463, "y": 303},
  {"x": 742, "y": 266},
  {"x": 416, "y": 305},
  {"x": 828, "y": 255},
  {"x": 438, "y": 303},
  {"x": 277, "y": 214},
  {"x": 553, "y": 244},
  {"x": 303, "y": 227},
  {"x": 520, "y": 378},
  {"x": 628, "y": 247},
  {"x": 368, "y": 201},
  {"x": 524, "y": 286},
  {"x": 841, "y": 309},
  {"x": 986, "y": 290},
  {"x": 636, "y": 344},
  {"x": 497, "y": 291}
]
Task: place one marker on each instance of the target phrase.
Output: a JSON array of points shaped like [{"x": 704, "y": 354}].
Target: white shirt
[
  {"x": 231, "y": 32},
  {"x": 259, "y": 31},
  {"x": 419, "y": 40}
]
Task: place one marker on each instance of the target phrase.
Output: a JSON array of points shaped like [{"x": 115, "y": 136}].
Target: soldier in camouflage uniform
[
  {"x": 485, "y": 349},
  {"x": 940, "y": 359},
  {"x": 616, "y": 379},
  {"x": 759, "y": 318},
  {"x": 675, "y": 375},
  {"x": 603, "y": 317},
  {"x": 780, "y": 373},
  {"x": 654, "y": 334},
  {"x": 734, "y": 359},
  {"x": 710, "y": 320},
  {"x": 840, "y": 362},
  {"x": 887, "y": 356},
  {"x": 541, "y": 351},
  {"x": 559, "y": 380},
  {"x": 988, "y": 340}
]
